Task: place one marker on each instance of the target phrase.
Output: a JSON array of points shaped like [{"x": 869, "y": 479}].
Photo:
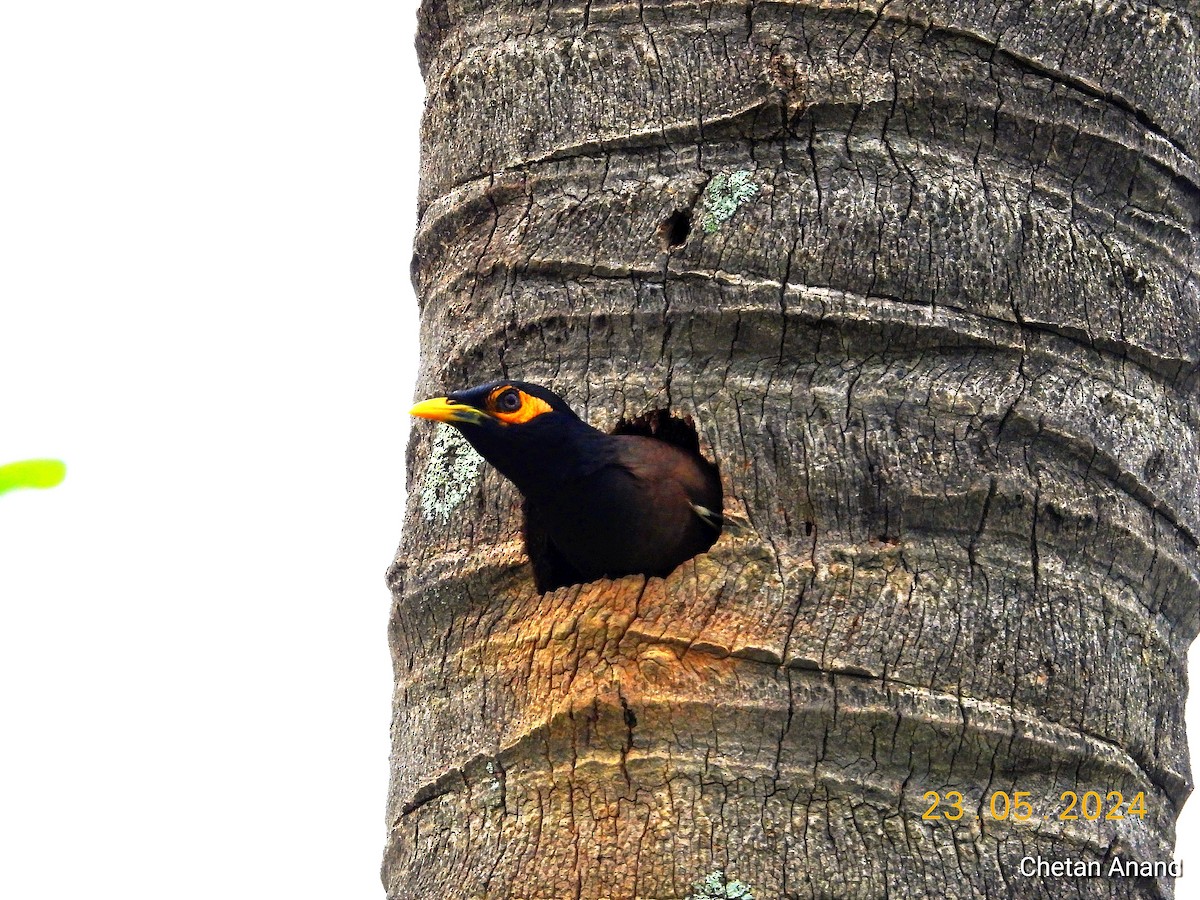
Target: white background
[{"x": 206, "y": 216}]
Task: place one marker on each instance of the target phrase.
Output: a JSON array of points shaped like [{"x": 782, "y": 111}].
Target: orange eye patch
[{"x": 504, "y": 411}]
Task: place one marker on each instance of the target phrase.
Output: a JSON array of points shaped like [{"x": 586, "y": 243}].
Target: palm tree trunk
[{"x": 925, "y": 276}]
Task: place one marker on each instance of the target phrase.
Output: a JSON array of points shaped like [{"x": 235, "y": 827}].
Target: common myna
[{"x": 596, "y": 504}]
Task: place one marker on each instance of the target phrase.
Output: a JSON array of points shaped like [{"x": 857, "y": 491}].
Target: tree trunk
[{"x": 925, "y": 276}]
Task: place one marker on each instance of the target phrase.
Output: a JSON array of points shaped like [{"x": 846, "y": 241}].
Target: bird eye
[{"x": 509, "y": 401}]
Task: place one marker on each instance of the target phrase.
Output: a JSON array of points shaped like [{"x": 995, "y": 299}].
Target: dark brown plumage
[{"x": 596, "y": 504}]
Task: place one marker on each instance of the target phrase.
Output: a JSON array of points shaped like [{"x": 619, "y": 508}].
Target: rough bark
[{"x": 925, "y": 275}]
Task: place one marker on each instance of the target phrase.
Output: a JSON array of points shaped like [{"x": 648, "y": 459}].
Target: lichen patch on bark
[
  {"x": 451, "y": 474},
  {"x": 718, "y": 886},
  {"x": 723, "y": 195}
]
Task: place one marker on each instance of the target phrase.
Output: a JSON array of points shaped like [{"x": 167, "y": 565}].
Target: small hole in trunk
[{"x": 673, "y": 233}]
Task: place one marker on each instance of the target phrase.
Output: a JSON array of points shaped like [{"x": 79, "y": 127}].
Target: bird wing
[
  {"x": 664, "y": 470},
  {"x": 634, "y": 505}
]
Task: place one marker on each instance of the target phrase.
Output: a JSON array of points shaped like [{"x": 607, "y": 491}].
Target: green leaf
[{"x": 32, "y": 473}]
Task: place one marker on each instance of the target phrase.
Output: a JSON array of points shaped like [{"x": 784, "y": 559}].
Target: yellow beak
[{"x": 443, "y": 409}]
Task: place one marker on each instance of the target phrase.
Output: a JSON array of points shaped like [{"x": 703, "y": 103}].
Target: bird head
[
  {"x": 497, "y": 404},
  {"x": 520, "y": 428}
]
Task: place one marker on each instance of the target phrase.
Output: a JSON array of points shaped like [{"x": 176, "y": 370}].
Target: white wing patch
[{"x": 711, "y": 519}]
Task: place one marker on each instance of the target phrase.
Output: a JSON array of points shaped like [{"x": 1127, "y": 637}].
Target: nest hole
[{"x": 661, "y": 425}]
